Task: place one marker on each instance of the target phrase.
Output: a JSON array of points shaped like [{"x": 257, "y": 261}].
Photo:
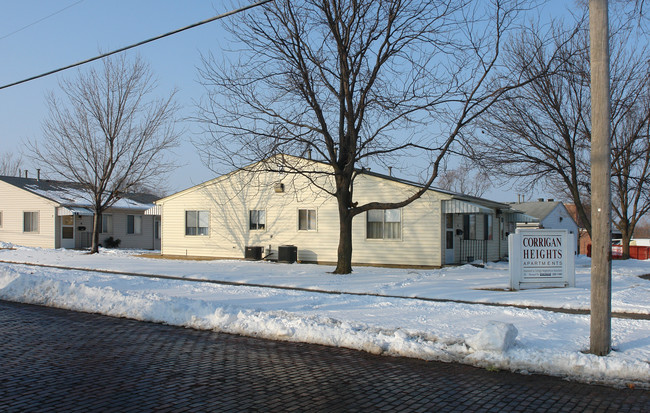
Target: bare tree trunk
[
  {"x": 344, "y": 198},
  {"x": 97, "y": 222},
  {"x": 626, "y": 237},
  {"x": 601, "y": 258},
  {"x": 344, "y": 260}
]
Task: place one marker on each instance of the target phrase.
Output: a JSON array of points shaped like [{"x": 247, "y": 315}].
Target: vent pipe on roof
[
  {"x": 38, "y": 174},
  {"x": 390, "y": 171},
  {"x": 309, "y": 154},
  {"x": 26, "y": 172}
]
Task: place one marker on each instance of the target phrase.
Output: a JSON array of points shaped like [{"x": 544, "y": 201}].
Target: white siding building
[
  {"x": 222, "y": 217},
  {"x": 550, "y": 215},
  {"x": 53, "y": 214}
]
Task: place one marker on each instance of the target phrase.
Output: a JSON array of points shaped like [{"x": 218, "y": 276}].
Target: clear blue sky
[{"x": 90, "y": 26}]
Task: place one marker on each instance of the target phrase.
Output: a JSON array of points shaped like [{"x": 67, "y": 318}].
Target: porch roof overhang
[
  {"x": 62, "y": 211},
  {"x": 154, "y": 210},
  {"x": 456, "y": 206}
]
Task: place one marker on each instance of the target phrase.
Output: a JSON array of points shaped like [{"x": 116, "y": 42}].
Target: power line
[
  {"x": 101, "y": 56},
  {"x": 40, "y": 20}
]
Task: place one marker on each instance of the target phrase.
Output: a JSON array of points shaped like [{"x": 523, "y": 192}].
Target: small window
[
  {"x": 197, "y": 222},
  {"x": 502, "y": 229},
  {"x": 488, "y": 230},
  {"x": 450, "y": 221},
  {"x": 469, "y": 226},
  {"x": 384, "y": 224},
  {"x": 450, "y": 240},
  {"x": 307, "y": 220},
  {"x": 107, "y": 223},
  {"x": 134, "y": 224},
  {"x": 30, "y": 222},
  {"x": 257, "y": 219}
]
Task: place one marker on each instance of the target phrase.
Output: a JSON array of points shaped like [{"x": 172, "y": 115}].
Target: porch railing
[{"x": 472, "y": 250}]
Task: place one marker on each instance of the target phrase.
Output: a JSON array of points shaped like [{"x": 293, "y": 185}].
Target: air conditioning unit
[
  {"x": 253, "y": 253},
  {"x": 287, "y": 253},
  {"x": 278, "y": 187}
]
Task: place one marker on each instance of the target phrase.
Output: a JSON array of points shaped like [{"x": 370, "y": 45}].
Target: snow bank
[{"x": 548, "y": 343}]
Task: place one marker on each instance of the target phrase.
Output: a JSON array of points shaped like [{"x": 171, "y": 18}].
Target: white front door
[
  {"x": 449, "y": 239},
  {"x": 67, "y": 231}
]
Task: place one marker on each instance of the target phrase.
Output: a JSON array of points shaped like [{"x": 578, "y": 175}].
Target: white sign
[{"x": 541, "y": 258}]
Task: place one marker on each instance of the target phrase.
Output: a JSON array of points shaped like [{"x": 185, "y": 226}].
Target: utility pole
[{"x": 601, "y": 216}]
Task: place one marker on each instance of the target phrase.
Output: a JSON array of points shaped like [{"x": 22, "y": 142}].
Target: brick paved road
[{"x": 57, "y": 360}]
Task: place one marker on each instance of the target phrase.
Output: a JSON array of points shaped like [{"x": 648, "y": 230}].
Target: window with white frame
[
  {"x": 307, "y": 220},
  {"x": 197, "y": 222},
  {"x": 257, "y": 219},
  {"x": 134, "y": 224},
  {"x": 107, "y": 223},
  {"x": 384, "y": 224},
  {"x": 30, "y": 221}
]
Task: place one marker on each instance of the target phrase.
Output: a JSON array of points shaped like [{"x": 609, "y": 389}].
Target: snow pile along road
[{"x": 528, "y": 341}]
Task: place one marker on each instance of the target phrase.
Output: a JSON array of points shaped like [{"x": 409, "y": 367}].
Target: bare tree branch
[
  {"x": 356, "y": 84},
  {"x": 107, "y": 133}
]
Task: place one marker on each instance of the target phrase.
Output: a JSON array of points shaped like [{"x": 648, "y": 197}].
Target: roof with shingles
[
  {"x": 539, "y": 210},
  {"x": 73, "y": 194}
]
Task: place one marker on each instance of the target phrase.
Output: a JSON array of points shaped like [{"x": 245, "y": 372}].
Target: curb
[{"x": 623, "y": 315}]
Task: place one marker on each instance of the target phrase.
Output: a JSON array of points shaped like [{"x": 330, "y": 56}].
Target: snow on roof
[
  {"x": 73, "y": 194},
  {"x": 539, "y": 210}
]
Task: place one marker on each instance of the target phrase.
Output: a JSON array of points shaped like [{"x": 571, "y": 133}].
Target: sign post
[{"x": 541, "y": 258}]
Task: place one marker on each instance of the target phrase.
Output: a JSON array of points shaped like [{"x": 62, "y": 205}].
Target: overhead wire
[
  {"x": 40, "y": 20},
  {"x": 152, "y": 39}
]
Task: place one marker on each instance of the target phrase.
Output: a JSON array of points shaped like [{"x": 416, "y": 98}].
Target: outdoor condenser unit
[
  {"x": 287, "y": 253},
  {"x": 253, "y": 253}
]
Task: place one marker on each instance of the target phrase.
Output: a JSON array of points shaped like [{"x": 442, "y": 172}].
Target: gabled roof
[
  {"x": 72, "y": 194},
  {"x": 539, "y": 210},
  {"x": 454, "y": 195},
  {"x": 361, "y": 171}
]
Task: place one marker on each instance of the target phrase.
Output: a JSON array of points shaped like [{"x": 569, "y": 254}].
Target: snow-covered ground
[{"x": 547, "y": 342}]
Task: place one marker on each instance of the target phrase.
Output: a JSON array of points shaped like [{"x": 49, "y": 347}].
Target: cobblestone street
[{"x": 58, "y": 360}]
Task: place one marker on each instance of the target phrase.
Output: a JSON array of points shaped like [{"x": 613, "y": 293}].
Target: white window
[
  {"x": 307, "y": 220},
  {"x": 107, "y": 223},
  {"x": 134, "y": 224},
  {"x": 384, "y": 224},
  {"x": 30, "y": 221},
  {"x": 257, "y": 219},
  {"x": 197, "y": 222}
]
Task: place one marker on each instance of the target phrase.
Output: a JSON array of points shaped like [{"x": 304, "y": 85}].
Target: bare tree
[
  {"x": 630, "y": 140},
  {"x": 464, "y": 179},
  {"x": 541, "y": 134},
  {"x": 536, "y": 134},
  {"x": 357, "y": 84},
  {"x": 108, "y": 133},
  {"x": 642, "y": 229},
  {"x": 10, "y": 165}
]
